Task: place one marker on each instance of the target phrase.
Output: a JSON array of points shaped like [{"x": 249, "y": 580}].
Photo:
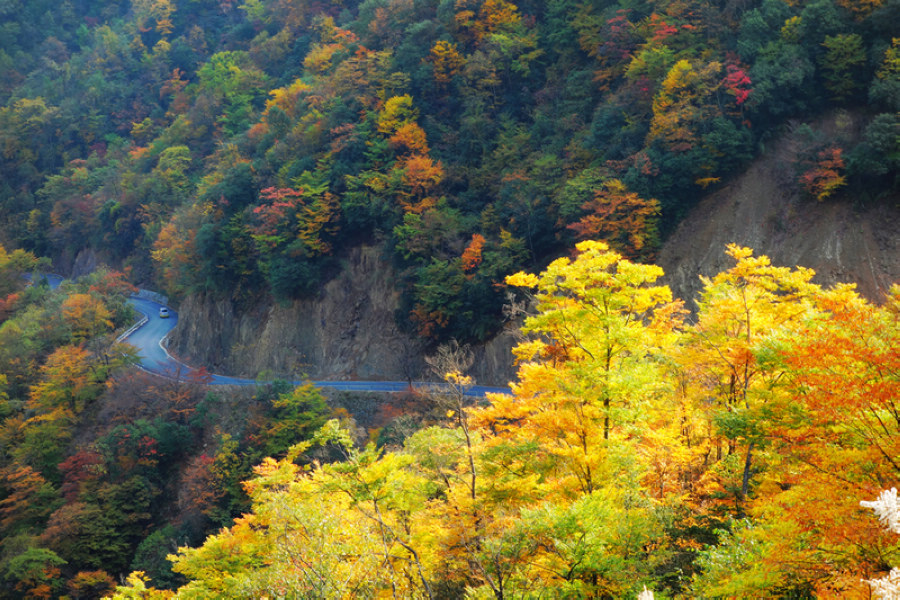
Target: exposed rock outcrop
[
  {"x": 347, "y": 332},
  {"x": 763, "y": 209}
]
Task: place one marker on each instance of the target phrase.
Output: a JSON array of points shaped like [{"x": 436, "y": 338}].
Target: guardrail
[
  {"x": 133, "y": 328},
  {"x": 144, "y": 295}
]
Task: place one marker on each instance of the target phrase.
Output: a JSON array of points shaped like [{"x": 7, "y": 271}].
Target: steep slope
[
  {"x": 348, "y": 331},
  {"x": 763, "y": 209}
]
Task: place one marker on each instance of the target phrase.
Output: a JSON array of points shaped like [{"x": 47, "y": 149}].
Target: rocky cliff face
[
  {"x": 762, "y": 209},
  {"x": 347, "y": 332}
]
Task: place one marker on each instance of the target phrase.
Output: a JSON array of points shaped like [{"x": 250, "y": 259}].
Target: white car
[{"x": 163, "y": 313}]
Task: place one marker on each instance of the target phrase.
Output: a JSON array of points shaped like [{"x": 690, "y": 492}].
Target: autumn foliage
[
  {"x": 235, "y": 150},
  {"x": 471, "y": 256},
  {"x": 622, "y": 218},
  {"x": 475, "y": 114},
  {"x": 824, "y": 175},
  {"x": 735, "y": 445}
]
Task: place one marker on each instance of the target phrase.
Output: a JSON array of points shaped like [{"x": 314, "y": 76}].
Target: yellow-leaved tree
[
  {"x": 559, "y": 458},
  {"x": 341, "y": 529},
  {"x": 744, "y": 313},
  {"x": 626, "y": 449}
]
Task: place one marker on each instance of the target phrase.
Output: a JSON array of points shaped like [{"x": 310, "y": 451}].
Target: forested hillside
[
  {"x": 721, "y": 459},
  {"x": 104, "y": 468},
  {"x": 236, "y": 147},
  {"x": 719, "y": 456},
  {"x": 237, "y": 150}
]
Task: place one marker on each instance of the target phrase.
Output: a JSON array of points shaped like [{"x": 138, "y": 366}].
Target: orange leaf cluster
[
  {"x": 471, "y": 256},
  {"x": 824, "y": 177},
  {"x": 622, "y": 218}
]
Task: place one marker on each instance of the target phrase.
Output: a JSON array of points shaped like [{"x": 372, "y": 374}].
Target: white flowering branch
[
  {"x": 886, "y": 588},
  {"x": 887, "y": 507}
]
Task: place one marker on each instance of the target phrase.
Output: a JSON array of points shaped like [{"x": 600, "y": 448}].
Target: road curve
[{"x": 149, "y": 339}]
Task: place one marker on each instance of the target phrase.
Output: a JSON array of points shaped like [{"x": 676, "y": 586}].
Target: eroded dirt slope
[
  {"x": 348, "y": 331},
  {"x": 764, "y": 210}
]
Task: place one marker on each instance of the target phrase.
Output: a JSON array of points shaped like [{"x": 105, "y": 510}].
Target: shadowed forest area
[{"x": 235, "y": 148}]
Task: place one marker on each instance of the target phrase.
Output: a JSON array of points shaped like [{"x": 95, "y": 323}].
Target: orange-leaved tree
[
  {"x": 825, "y": 384},
  {"x": 841, "y": 439},
  {"x": 823, "y": 177},
  {"x": 622, "y": 218}
]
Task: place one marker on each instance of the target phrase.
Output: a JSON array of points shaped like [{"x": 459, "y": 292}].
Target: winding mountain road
[{"x": 149, "y": 337}]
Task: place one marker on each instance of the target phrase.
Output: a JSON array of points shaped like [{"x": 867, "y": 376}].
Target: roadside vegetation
[{"x": 235, "y": 149}]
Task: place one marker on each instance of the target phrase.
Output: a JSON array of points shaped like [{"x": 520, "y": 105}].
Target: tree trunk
[{"x": 745, "y": 484}]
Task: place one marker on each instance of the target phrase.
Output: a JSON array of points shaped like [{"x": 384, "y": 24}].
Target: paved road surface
[{"x": 148, "y": 339}]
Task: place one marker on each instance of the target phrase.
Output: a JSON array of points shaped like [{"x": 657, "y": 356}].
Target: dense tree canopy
[
  {"x": 238, "y": 147},
  {"x": 724, "y": 457}
]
